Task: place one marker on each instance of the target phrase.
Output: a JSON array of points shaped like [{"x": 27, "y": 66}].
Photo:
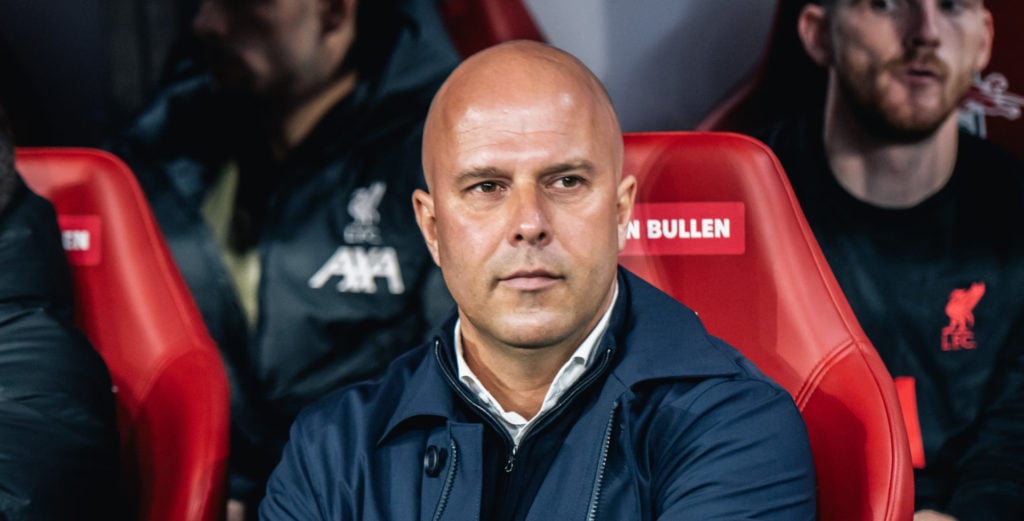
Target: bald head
[{"x": 517, "y": 76}]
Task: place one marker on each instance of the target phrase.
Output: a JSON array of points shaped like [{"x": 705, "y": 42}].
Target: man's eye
[
  {"x": 883, "y": 5},
  {"x": 568, "y": 181},
  {"x": 951, "y": 5},
  {"x": 486, "y": 187}
]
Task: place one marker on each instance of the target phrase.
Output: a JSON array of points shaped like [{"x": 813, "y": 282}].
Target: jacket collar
[
  {"x": 663, "y": 338},
  {"x": 653, "y": 337}
]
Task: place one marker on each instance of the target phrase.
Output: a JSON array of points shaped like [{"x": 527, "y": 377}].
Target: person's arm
[
  {"x": 990, "y": 482},
  {"x": 743, "y": 453},
  {"x": 59, "y": 448}
]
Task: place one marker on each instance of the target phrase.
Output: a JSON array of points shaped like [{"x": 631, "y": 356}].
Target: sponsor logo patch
[
  {"x": 687, "y": 229},
  {"x": 81, "y": 236},
  {"x": 359, "y": 268}
]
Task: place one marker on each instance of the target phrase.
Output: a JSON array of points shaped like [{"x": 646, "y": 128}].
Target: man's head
[
  {"x": 276, "y": 48},
  {"x": 901, "y": 66},
  {"x": 527, "y": 208}
]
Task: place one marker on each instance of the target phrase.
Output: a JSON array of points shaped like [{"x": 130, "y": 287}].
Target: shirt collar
[{"x": 580, "y": 360}]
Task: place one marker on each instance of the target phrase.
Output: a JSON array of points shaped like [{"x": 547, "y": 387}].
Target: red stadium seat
[
  {"x": 718, "y": 227},
  {"x": 474, "y": 25},
  {"x": 172, "y": 392}
]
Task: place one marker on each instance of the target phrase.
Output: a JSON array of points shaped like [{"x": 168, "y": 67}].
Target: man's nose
[
  {"x": 530, "y": 223},
  {"x": 924, "y": 20},
  {"x": 210, "y": 20}
]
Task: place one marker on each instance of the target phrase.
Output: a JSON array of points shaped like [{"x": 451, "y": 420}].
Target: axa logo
[
  {"x": 363, "y": 209},
  {"x": 359, "y": 269},
  {"x": 960, "y": 309}
]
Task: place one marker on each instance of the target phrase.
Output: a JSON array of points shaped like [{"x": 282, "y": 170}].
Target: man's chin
[
  {"x": 233, "y": 76},
  {"x": 905, "y": 128}
]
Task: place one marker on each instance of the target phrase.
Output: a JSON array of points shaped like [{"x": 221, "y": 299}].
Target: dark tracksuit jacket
[{"x": 346, "y": 282}]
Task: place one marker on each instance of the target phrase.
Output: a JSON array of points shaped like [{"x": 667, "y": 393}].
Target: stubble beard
[{"x": 893, "y": 122}]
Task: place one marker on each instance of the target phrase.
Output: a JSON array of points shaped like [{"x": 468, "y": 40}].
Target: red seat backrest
[
  {"x": 744, "y": 258},
  {"x": 474, "y": 25},
  {"x": 172, "y": 391}
]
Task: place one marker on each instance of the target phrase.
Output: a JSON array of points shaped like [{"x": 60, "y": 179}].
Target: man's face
[
  {"x": 261, "y": 47},
  {"x": 905, "y": 65},
  {"x": 528, "y": 215}
]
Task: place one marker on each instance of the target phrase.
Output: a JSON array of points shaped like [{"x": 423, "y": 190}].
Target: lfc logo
[
  {"x": 960, "y": 309},
  {"x": 363, "y": 209}
]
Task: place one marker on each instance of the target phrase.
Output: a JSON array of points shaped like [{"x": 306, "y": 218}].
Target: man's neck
[
  {"x": 885, "y": 173},
  {"x": 519, "y": 378},
  {"x": 295, "y": 121}
]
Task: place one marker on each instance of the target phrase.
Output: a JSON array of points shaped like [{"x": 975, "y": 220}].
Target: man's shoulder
[
  {"x": 359, "y": 412},
  {"x": 672, "y": 343},
  {"x": 182, "y": 115},
  {"x": 989, "y": 180},
  {"x": 975, "y": 152},
  {"x": 796, "y": 140}
]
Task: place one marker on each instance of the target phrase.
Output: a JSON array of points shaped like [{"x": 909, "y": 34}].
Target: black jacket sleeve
[{"x": 58, "y": 435}]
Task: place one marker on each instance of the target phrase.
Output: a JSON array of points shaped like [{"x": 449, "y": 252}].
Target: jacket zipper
[
  {"x": 595, "y": 494},
  {"x": 484, "y": 413},
  {"x": 566, "y": 398},
  {"x": 513, "y": 447},
  {"x": 448, "y": 480}
]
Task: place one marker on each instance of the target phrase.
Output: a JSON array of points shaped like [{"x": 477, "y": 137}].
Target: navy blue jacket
[{"x": 669, "y": 423}]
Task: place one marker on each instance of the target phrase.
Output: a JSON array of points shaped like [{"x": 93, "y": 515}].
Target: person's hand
[
  {"x": 931, "y": 515},
  {"x": 236, "y": 510}
]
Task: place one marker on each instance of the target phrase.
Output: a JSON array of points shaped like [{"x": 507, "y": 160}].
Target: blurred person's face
[
  {"x": 527, "y": 210},
  {"x": 265, "y": 47},
  {"x": 905, "y": 65}
]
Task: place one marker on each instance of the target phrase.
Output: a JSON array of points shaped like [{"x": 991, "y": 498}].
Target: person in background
[
  {"x": 58, "y": 434},
  {"x": 281, "y": 181},
  {"x": 562, "y": 387},
  {"x": 920, "y": 223}
]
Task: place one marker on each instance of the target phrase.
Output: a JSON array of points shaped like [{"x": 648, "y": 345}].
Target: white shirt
[{"x": 573, "y": 369}]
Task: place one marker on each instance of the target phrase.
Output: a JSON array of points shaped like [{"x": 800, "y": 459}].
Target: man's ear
[
  {"x": 423, "y": 207},
  {"x": 985, "y": 51},
  {"x": 624, "y": 207},
  {"x": 335, "y": 13},
  {"x": 812, "y": 27}
]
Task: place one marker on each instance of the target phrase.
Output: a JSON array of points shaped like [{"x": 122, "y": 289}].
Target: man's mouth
[
  {"x": 529, "y": 280},
  {"x": 922, "y": 69},
  {"x": 919, "y": 72}
]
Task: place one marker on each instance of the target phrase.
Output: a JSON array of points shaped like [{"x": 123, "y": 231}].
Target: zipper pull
[{"x": 510, "y": 463}]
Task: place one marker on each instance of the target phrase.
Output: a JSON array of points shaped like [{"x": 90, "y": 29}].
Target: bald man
[{"x": 562, "y": 386}]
